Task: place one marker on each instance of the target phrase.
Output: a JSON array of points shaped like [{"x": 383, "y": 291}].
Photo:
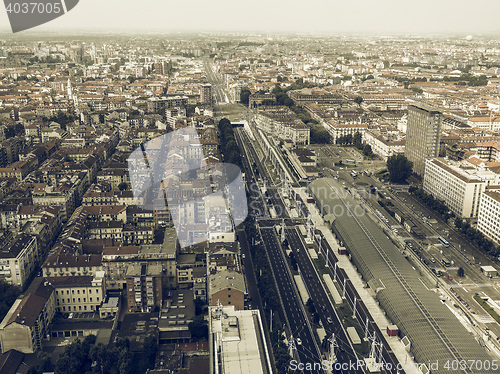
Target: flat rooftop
[{"x": 242, "y": 346}]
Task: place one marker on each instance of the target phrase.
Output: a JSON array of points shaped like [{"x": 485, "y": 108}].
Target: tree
[
  {"x": 460, "y": 272},
  {"x": 8, "y": 294},
  {"x": 198, "y": 328},
  {"x": 123, "y": 186},
  {"x": 357, "y": 140},
  {"x": 198, "y": 305},
  {"x": 149, "y": 351},
  {"x": 358, "y": 100},
  {"x": 367, "y": 150},
  {"x": 399, "y": 168},
  {"x": 245, "y": 95}
]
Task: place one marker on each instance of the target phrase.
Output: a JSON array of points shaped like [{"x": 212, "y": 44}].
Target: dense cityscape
[{"x": 231, "y": 203}]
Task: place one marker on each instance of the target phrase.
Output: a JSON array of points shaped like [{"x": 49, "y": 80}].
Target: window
[
  {"x": 90, "y": 299},
  {"x": 78, "y": 299},
  {"x": 97, "y": 299},
  {"x": 78, "y": 292},
  {"x": 73, "y": 299},
  {"x": 73, "y": 292}
]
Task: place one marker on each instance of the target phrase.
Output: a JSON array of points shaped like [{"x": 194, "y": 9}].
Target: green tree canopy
[
  {"x": 367, "y": 150},
  {"x": 357, "y": 140},
  {"x": 245, "y": 95},
  {"x": 399, "y": 168},
  {"x": 198, "y": 328}
]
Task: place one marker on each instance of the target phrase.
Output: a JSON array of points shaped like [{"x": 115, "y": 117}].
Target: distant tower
[
  {"x": 206, "y": 94},
  {"x": 422, "y": 135},
  {"x": 70, "y": 89}
]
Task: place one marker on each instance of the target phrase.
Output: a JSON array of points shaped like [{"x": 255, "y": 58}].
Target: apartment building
[
  {"x": 83, "y": 293},
  {"x": 206, "y": 94},
  {"x": 339, "y": 129},
  {"x": 315, "y": 95},
  {"x": 384, "y": 145},
  {"x": 282, "y": 122},
  {"x": 64, "y": 196},
  {"x": 69, "y": 264},
  {"x": 27, "y": 322},
  {"x": 459, "y": 185},
  {"x": 227, "y": 287},
  {"x": 488, "y": 220},
  {"x": 116, "y": 260},
  {"x": 144, "y": 287},
  {"x": 18, "y": 259}
]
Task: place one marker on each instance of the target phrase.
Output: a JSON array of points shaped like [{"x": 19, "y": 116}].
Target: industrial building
[{"x": 435, "y": 334}]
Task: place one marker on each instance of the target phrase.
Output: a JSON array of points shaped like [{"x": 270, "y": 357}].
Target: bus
[
  {"x": 445, "y": 262},
  {"x": 444, "y": 241}
]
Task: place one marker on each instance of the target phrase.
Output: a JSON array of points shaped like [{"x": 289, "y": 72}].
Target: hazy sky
[{"x": 433, "y": 16}]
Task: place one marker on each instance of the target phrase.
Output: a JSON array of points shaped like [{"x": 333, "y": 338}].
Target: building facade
[
  {"x": 19, "y": 259},
  {"x": 488, "y": 220},
  {"x": 422, "y": 136},
  {"x": 82, "y": 293},
  {"x": 27, "y": 322},
  {"x": 459, "y": 186},
  {"x": 206, "y": 94}
]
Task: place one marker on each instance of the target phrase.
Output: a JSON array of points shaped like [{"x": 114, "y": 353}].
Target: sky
[{"x": 377, "y": 16}]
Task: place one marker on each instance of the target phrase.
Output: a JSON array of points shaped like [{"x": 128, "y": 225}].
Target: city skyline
[{"x": 387, "y": 16}]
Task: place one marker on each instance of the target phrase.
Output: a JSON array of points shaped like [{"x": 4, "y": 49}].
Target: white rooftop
[{"x": 237, "y": 333}]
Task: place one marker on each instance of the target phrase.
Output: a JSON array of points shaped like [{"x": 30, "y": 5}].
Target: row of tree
[
  {"x": 16, "y": 130},
  {"x": 431, "y": 202},
  {"x": 476, "y": 237},
  {"x": 90, "y": 358},
  {"x": 229, "y": 147}
]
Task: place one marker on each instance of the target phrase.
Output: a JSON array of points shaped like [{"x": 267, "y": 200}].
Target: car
[
  {"x": 299, "y": 341},
  {"x": 329, "y": 319}
]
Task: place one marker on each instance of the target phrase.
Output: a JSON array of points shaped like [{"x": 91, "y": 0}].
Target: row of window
[
  {"x": 63, "y": 309},
  {"x": 77, "y": 292},
  {"x": 79, "y": 300}
]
